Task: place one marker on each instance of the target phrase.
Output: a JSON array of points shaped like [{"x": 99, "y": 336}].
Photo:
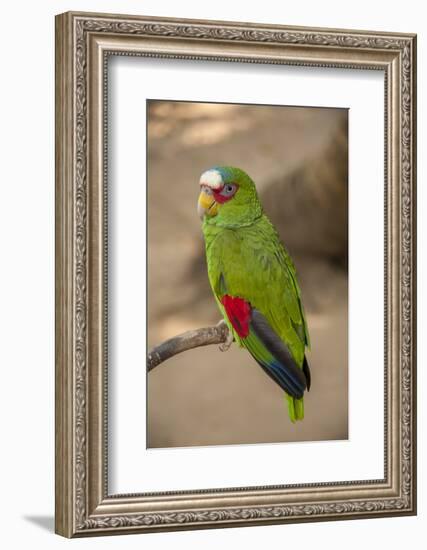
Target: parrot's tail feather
[
  {"x": 299, "y": 408},
  {"x": 295, "y": 408}
]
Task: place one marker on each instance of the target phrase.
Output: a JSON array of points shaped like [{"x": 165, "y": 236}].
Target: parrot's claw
[{"x": 225, "y": 346}]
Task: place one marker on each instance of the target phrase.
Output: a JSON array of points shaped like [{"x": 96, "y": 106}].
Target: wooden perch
[{"x": 218, "y": 334}]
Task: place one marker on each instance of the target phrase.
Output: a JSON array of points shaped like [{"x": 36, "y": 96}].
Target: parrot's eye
[
  {"x": 226, "y": 193},
  {"x": 228, "y": 190}
]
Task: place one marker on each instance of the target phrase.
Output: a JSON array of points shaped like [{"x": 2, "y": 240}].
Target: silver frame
[{"x": 83, "y": 43}]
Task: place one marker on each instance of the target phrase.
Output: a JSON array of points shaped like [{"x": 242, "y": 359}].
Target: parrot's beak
[{"x": 206, "y": 206}]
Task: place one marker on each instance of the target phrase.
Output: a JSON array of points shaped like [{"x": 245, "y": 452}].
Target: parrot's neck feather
[{"x": 230, "y": 225}]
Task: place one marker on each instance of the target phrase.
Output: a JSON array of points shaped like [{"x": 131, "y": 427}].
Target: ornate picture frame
[{"x": 84, "y": 42}]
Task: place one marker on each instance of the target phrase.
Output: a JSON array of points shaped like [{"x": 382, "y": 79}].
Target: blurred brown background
[{"x": 298, "y": 159}]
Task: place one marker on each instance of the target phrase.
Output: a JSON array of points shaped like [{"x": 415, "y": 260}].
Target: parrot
[{"x": 254, "y": 281}]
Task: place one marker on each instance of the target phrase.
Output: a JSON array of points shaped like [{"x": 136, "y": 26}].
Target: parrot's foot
[{"x": 225, "y": 346}]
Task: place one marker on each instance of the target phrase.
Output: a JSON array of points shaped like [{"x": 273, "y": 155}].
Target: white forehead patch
[{"x": 211, "y": 178}]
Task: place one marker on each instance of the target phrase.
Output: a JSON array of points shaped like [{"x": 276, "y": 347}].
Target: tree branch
[{"x": 218, "y": 334}]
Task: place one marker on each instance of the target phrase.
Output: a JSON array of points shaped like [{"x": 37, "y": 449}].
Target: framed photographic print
[{"x": 235, "y": 274}]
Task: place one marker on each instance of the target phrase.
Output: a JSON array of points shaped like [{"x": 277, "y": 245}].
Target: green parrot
[{"x": 254, "y": 281}]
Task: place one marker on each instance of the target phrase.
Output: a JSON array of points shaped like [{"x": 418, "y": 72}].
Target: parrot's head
[{"x": 228, "y": 197}]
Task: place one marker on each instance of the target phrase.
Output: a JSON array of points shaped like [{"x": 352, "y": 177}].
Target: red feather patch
[
  {"x": 221, "y": 198},
  {"x": 238, "y": 312}
]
